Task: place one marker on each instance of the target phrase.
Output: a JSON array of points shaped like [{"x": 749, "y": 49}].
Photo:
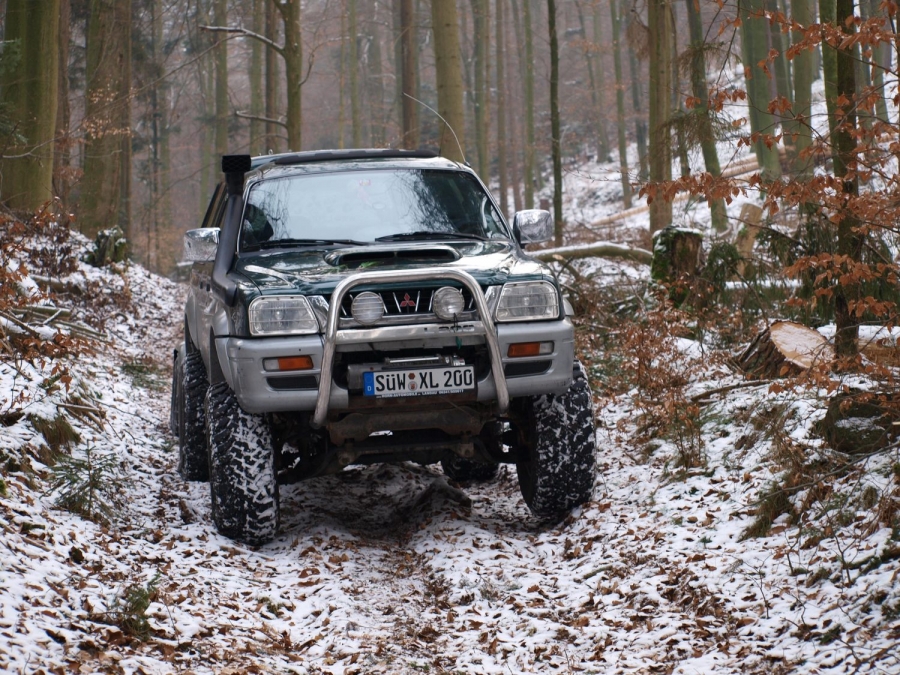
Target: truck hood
[{"x": 317, "y": 272}]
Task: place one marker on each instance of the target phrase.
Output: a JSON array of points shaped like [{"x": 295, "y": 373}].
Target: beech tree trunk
[
  {"x": 850, "y": 240},
  {"x": 529, "y": 106},
  {"x": 257, "y": 97},
  {"x": 700, "y": 90},
  {"x": 353, "y": 68},
  {"x": 615, "y": 22},
  {"x": 30, "y": 92},
  {"x": 660, "y": 160},
  {"x": 555, "y": 131},
  {"x": 754, "y": 28},
  {"x": 409, "y": 66},
  {"x": 804, "y": 74},
  {"x": 220, "y": 17},
  {"x": 448, "y": 67},
  {"x": 107, "y": 148},
  {"x": 501, "y": 108},
  {"x": 480, "y": 11},
  {"x": 272, "y": 143}
]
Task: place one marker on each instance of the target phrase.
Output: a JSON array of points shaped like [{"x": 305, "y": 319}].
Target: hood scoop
[{"x": 392, "y": 255}]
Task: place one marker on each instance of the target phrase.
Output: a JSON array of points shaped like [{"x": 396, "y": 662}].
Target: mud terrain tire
[
  {"x": 558, "y": 473},
  {"x": 242, "y": 476},
  {"x": 193, "y": 461}
]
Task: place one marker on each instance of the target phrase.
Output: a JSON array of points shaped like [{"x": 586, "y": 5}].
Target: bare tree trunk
[
  {"x": 257, "y": 128},
  {"x": 62, "y": 157},
  {"x": 850, "y": 240},
  {"x": 293, "y": 70},
  {"x": 501, "y": 108},
  {"x": 700, "y": 91},
  {"x": 640, "y": 127},
  {"x": 448, "y": 67},
  {"x": 342, "y": 78},
  {"x": 376, "y": 86},
  {"x": 480, "y": 13},
  {"x": 754, "y": 36},
  {"x": 660, "y": 160},
  {"x": 827, "y": 13},
  {"x": 30, "y": 90},
  {"x": 615, "y": 22},
  {"x": 555, "y": 131},
  {"x": 272, "y": 144},
  {"x": 107, "y": 150},
  {"x": 529, "y": 105},
  {"x": 220, "y": 18},
  {"x": 354, "y": 73},
  {"x": 409, "y": 54},
  {"x": 803, "y": 79}
]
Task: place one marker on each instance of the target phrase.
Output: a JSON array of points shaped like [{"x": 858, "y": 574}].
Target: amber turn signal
[
  {"x": 289, "y": 363},
  {"x": 520, "y": 349}
]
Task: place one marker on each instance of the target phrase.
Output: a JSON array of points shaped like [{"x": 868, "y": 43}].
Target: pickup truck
[{"x": 366, "y": 306}]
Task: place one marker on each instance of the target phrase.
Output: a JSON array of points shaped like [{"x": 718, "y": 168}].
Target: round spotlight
[
  {"x": 367, "y": 308},
  {"x": 447, "y": 303}
]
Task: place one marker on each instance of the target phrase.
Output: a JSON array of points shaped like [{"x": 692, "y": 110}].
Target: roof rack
[{"x": 330, "y": 155}]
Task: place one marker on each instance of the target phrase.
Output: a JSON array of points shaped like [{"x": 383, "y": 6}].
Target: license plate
[{"x": 424, "y": 382}]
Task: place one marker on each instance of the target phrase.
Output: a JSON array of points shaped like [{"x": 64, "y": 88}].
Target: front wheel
[
  {"x": 242, "y": 478},
  {"x": 557, "y": 440}
]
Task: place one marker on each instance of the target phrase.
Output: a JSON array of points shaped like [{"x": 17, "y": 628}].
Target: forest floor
[{"x": 395, "y": 569}]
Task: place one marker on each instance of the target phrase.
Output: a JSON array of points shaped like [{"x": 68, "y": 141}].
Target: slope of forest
[{"x": 724, "y": 534}]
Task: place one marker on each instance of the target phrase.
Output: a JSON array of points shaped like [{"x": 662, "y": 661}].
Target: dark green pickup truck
[{"x": 353, "y": 307}]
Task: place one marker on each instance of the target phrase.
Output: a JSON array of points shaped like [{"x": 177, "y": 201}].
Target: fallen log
[
  {"x": 598, "y": 249},
  {"x": 785, "y": 348}
]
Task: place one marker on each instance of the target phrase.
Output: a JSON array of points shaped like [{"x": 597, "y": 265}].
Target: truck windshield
[{"x": 365, "y": 206}]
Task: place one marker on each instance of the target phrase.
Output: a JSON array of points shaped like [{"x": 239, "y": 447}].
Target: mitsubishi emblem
[{"x": 407, "y": 301}]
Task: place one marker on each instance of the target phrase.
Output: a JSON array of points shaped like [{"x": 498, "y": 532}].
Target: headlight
[
  {"x": 289, "y": 315},
  {"x": 527, "y": 301}
]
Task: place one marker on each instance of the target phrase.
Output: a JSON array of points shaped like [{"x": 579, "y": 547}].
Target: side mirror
[
  {"x": 533, "y": 226},
  {"x": 200, "y": 245}
]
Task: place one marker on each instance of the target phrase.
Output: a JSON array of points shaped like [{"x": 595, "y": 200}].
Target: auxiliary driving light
[
  {"x": 367, "y": 308},
  {"x": 447, "y": 303}
]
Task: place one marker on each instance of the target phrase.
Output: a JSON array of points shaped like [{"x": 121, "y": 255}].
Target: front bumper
[
  {"x": 253, "y": 384},
  {"x": 259, "y": 390}
]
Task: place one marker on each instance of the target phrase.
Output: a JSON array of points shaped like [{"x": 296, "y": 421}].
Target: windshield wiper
[
  {"x": 425, "y": 234},
  {"x": 286, "y": 243}
]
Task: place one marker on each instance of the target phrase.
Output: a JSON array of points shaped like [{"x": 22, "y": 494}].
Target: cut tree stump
[{"x": 785, "y": 348}]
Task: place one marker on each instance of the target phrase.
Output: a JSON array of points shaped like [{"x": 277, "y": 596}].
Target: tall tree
[
  {"x": 408, "y": 70},
  {"x": 480, "y": 12},
  {"x": 700, "y": 92},
  {"x": 292, "y": 53},
  {"x": 29, "y": 91},
  {"x": 62, "y": 157},
  {"x": 448, "y": 71},
  {"x": 555, "y": 127},
  {"x": 851, "y": 238},
  {"x": 257, "y": 96},
  {"x": 105, "y": 187},
  {"x": 754, "y": 37},
  {"x": 640, "y": 126},
  {"x": 500, "y": 68},
  {"x": 615, "y": 22},
  {"x": 660, "y": 160},
  {"x": 804, "y": 74},
  {"x": 220, "y": 17},
  {"x": 529, "y": 105},
  {"x": 353, "y": 67},
  {"x": 272, "y": 144}
]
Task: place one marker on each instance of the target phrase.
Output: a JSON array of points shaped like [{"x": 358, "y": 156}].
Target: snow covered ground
[{"x": 393, "y": 569}]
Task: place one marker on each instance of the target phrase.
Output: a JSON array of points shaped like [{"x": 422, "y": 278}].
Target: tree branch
[
  {"x": 246, "y": 33},
  {"x": 599, "y": 249},
  {"x": 259, "y": 118}
]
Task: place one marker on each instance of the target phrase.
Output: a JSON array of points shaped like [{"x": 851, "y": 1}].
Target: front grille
[{"x": 406, "y": 302}]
